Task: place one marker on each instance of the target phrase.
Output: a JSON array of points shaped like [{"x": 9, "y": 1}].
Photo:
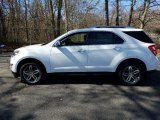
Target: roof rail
[{"x": 111, "y": 27}]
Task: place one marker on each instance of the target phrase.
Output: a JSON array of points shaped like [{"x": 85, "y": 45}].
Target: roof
[
  {"x": 111, "y": 27},
  {"x": 107, "y": 28}
]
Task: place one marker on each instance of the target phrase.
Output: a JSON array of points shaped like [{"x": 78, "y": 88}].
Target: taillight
[{"x": 153, "y": 49}]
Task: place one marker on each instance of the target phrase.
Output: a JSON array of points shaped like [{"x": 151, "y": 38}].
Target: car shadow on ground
[
  {"x": 80, "y": 79},
  {"x": 153, "y": 79}
]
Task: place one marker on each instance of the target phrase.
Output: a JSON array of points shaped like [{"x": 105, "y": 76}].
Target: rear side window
[
  {"x": 140, "y": 35},
  {"x": 97, "y": 38},
  {"x": 100, "y": 38},
  {"x": 117, "y": 39}
]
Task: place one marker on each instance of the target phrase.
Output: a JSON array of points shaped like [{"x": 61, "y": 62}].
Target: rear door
[{"x": 103, "y": 47}]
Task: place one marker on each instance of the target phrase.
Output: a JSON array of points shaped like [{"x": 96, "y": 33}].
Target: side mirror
[{"x": 57, "y": 44}]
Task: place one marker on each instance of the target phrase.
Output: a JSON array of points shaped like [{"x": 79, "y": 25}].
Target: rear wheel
[
  {"x": 131, "y": 74},
  {"x": 31, "y": 73}
]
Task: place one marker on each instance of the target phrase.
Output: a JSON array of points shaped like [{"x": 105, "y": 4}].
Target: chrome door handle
[
  {"x": 81, "y": 50},
  {"x": 117, "y": 48}
]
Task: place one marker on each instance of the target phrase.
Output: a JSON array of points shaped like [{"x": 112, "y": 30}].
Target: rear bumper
[{"x": 152, "y": 64}]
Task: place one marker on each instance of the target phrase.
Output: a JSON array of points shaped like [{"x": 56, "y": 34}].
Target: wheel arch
[
  {"x": 132, "y": 60},
  {"x": 27, "y": 60}
]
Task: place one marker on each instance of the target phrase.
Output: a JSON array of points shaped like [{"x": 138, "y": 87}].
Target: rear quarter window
[{"x": 140, "y": 35}]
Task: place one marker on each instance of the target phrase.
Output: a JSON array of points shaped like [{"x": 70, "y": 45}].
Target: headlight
[{"x": 15, "y": 52}]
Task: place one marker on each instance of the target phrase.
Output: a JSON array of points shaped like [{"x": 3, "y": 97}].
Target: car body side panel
[
  {"x": 147, "y": 58},
  {"x": 100, "y": 57},
  {"x": 69, "y": 59},
  {"x": 39, "y": 53}
]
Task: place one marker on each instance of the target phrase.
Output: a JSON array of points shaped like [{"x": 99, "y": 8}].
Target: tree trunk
[
  {"x": 52, "y": 17},
  {"x": 2, "y": 25},
  {"x": 59, "y": 18},
  {"x": 66, "y": 15},
  {"x": 12, "y": 17},
  {"x": 117, "y": 12},
  {"x": 143, "y": 17},
  {"x": 131, "y": 12},
  {"x": 18, "y": 12},
  {"x": 107, "y": 12},
  {"x": 26, "y": 19}
]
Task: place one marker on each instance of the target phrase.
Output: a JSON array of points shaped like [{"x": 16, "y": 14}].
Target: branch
[{"x": 149, "y": 20}]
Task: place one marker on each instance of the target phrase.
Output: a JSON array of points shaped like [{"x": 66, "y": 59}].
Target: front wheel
[
  {"x": 31, "y": 73},
  {"x": 131, "y": 74}
]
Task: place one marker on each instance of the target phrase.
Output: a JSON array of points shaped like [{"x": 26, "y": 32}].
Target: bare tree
[
  {"x": 42, "y": 20},
  {"x": 143, "y": 17},
  {"x": 117, "y": 12},
  {"x": 147, "y": 12},
  {"x": 12, "y": 17},
  {"x": 2, "y": 24},
  {"x": 26, "y": 19},
  {"x": 59, "y": 17},
  {"x": 107, "y": 12},
  {"x": 66, "y": 14},
  {"x": 131, "y": 12},
  {"x": 52, "y": 16}
]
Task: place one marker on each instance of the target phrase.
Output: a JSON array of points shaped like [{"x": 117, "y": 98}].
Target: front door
[{"x": 71, "y": 55}]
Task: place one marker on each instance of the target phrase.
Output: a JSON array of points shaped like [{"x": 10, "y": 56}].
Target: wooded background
[{"x": 38, "y": 21}]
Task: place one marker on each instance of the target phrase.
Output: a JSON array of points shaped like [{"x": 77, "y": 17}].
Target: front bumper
[
  {"x": 13, "y": 64},
  {"x": 15, "y": 74},
  {"x": 13, "y": 68}
]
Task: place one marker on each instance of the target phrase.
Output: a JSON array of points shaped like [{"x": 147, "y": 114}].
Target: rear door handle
[
  {"x": 81, "y": 50},
  {"x": 117, "y": 48}
]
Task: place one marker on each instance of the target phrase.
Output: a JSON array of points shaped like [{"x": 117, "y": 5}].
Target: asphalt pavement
[{"x": 78, "y": 98}]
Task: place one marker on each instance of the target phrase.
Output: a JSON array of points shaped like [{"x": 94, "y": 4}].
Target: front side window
[
  {"x": 75, "y": 39},
  {"x": 100, "y": 38}
]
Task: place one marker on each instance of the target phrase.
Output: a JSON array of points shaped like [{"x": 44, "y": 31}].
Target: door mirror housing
[{"x": 57, "y": 44}]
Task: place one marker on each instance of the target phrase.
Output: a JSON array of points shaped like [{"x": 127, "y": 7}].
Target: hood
[{"x": 29, "y": 46}]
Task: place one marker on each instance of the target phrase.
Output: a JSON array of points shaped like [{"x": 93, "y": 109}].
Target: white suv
[{"x": 126, "y": 51}]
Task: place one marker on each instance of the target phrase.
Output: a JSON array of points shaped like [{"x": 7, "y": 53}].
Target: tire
[
  {"x": 131, "y": 74},
  {"x": 31, "y": 73}
]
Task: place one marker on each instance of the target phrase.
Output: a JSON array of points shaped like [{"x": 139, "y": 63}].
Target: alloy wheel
[
  {"x": 131, "y": 75},
  {"x": 31, "y": 73}
]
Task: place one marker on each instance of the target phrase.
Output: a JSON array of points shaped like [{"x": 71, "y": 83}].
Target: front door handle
[{"x": 81, "y": 50}]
